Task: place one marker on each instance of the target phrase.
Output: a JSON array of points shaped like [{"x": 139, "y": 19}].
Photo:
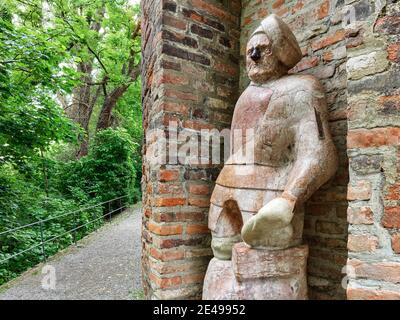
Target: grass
[{"x": 137, "y": 294}]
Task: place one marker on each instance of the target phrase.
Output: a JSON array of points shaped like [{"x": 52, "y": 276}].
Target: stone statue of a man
[{"x": 261, "y": 203}]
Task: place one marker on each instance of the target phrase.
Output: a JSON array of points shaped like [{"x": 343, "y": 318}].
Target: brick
[
  {"x": 179, "y": 216},
  {"x": 393, "y": 192},
  {"x": 360, "y": 191},
  {"x": 199, "y": 189},
  {"x": 305, "y": 64},
  {"x": 391, "y": 217},
  {"x": 167, "y": 255},
  {"x": 360, "y": 215},
  {"x": 365, "y": 164},
  {"x": 298, "y": 6},
  {"x": 165, "y": 230},
  {"x": 389, "y": 105},
  {"x": 168, "y": 118},
  {"x": 226, "y": 68},
  {"x": 173, "y": 243},
  {"x": 328, "y": 40},
  {"x": 195, "y": 16},
  {"x": 197, "y": 229},
  {"x": 199, "y": 202},
  {"x": 178, "y": 266},
  {"x": 323, "y": 10},
  {"x": 170, "y": 78},
  {"x": 166, "y": 188},
  {"x": 175, "y": 107},
  {"x": 214, "y": 10},
  {"x": 165, "y": 64},
  {"x": 363, "y": 138},
  {"x": 169, "y": 202},
  {"x": 361, "y": 243},
  {"x": 174, "y": 22},
  {"x": 282, "y": 11},
  {"x": 262, "y": 13},
  {"x": 193, "y": 278},
  {"x": 170, "y": 6},
  {"x": 179, "y": 38},
  {"x": 335, "y": 54},
  {"x": 183, "y": 54},
  {"x": 371, "y": 294},
  {"x": 277, "y": 4},
  {"x": 197, "y": 125},
  {"x": 164, "y": 283},
  {"x": 388, "y": 25},
  {"x": 182, "y": 95},
  {"x": 168, "y": 175},
  {"x": 394, "y": 52},
  {"x": 396, "y": 243},
  {"x": 202, "y": 32},
  {"x": 386, "y": 271}
]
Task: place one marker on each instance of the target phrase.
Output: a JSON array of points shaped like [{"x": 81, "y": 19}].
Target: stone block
[
  {"x": 258, "y": 275},
  {"x": 251, "y": 263}
]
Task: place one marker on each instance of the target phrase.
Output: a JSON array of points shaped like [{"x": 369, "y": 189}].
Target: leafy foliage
[
  {"x": 43, "y": 47},
  {"x": 30, "y": 74},
  {"x": 107, "y": 172}
]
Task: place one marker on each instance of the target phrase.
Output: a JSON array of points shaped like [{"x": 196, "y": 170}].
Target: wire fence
[{"x": 73, "y": 231}]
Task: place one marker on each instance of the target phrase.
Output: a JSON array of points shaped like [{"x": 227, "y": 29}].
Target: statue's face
[{"x": 261, "y": 63}]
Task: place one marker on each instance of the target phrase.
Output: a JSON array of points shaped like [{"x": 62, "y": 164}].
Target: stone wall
[
  {"x": 190, "y": 77},
  {"x": 318, "y": 27},
  {"x": 374, "y": 152}
]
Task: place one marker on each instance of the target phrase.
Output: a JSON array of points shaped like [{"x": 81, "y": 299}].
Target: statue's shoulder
[{"x": 294, "y": 83}]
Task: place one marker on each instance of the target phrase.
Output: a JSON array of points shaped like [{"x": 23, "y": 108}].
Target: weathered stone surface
[
  {"x": 292, "y": 156},
  {"x": 250, "y": 263},
  {"x": 367, "y": 64},
  {"x": 279, "y": 277}
]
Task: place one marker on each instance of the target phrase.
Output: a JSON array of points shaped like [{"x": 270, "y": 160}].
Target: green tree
[{"x": 31, "y": 74}]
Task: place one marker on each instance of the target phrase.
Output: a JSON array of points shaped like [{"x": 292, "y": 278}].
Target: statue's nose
[{"x": 255, "y": 54}]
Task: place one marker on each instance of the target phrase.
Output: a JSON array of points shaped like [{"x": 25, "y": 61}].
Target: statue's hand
[{"x": 270, "y": 227}]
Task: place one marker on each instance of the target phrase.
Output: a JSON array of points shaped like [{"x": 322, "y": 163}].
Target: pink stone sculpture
[{"x": 256, "y": 210}]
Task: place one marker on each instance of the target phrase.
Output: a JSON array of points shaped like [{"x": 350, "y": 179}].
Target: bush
[{"x": 107, "y": 172}]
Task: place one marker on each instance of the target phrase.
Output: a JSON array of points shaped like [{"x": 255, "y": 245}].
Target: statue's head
[{"x": 272, "y": 50}]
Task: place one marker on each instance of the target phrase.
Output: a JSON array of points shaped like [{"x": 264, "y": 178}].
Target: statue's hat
[{"x": 284, "y": 43}]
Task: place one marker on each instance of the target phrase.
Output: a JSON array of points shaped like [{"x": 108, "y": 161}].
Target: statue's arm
[{"x": 315, "y": 154}]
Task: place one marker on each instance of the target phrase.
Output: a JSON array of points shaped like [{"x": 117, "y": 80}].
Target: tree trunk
[
  {"x": 82, "y": 105},
  {"x": 108, "y": 105}
]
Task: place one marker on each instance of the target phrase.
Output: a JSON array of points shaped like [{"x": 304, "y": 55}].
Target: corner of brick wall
[
  {"x": 190, "y": 77},
  {"x": 317, "y": 25},
  {"x": 374, "y": 152}
]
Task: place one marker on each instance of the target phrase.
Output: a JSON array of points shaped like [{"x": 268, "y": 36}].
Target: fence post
[
  {"x": 109, "y": 211},
  {"x": 75, "y": 229},
  {"x": 120, "y": 205},
  {"x": 42, "y": 240},
  {"x": 94, "y": 221}
]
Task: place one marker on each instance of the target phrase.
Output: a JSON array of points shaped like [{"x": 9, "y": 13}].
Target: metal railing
[{"x": 73, "y": 231}]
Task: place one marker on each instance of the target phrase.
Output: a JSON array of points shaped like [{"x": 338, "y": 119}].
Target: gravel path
[{"x": 104, "y": 266}]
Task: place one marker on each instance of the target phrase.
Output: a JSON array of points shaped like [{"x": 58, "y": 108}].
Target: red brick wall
[
  {"x": 317, "y": 25},
  {"x": 190, "y": 76},
  {"x": 374, "y": 151}
]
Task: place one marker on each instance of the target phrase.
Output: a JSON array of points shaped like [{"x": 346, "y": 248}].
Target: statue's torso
[{"x": 264, "y": 110}]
